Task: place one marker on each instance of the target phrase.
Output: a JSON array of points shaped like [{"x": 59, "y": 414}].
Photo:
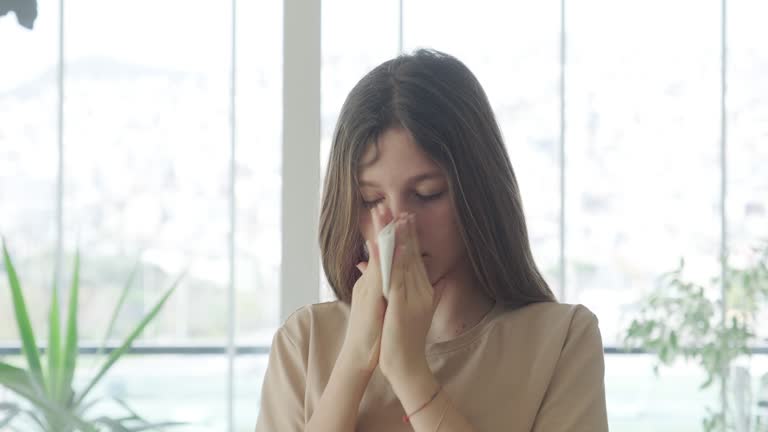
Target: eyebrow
[{"x": 414, "y": 179}]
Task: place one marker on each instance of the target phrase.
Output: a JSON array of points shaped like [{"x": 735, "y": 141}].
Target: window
[
  {"x": 642, "y": 150},
  {"x": 28, "y": 159},
  {"x": 146, "y": 164},
  {"x": 146, "y": 169},
  {"x": 747, "y": 133},
  {"x": 513, "y": 50},
  {"x": 352, "y": 45}
]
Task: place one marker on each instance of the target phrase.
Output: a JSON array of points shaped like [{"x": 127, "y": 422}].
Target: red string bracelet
[{"x": 407, "y": 418}]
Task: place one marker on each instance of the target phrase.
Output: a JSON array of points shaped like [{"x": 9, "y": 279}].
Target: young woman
[{"x": 470, "y": 337}]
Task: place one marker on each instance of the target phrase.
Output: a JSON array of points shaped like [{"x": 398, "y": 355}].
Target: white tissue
[{"x": 386, "y": 241}]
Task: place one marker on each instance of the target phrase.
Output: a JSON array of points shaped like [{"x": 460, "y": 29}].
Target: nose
[{"x": 394, "y": 208}]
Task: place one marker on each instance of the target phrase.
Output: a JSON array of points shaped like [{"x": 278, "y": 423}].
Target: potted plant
[
  {"x": 680, "y": 320},
  {"x": 52, "y": 404}
]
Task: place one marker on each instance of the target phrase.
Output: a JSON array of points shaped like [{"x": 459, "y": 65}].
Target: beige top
[{"x": 537, "y": 368}]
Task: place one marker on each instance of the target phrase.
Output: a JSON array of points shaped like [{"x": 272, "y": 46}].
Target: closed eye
[
  {"x": 369, "y": 204},
  {"x": 429, "y": 197},
  {"x": 424, "y": 198}
]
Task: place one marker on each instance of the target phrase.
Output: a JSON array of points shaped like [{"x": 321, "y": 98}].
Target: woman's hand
[
  {"x": 409, "y": 313},
  {"x": 363, "y": 339}
]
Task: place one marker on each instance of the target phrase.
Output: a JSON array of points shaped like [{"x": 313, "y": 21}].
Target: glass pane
[
  {"x": 259, "y": 172},
  {"x": 347, "y": 57},
  {"x": 195, "y": 393},
  {"x": 29, "y": 161},
  {"x": 147, "y": 160},
  {"x": 250, "y": 371},
  {"x": 747, "y": 130},
  {"x": 642, "y": 150},
  {"x": 639, "y": 401},
  {"x": 258, "y": 188},
  {"x": 513, "y": 49}
]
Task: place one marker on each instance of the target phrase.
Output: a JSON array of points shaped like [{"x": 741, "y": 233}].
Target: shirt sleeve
[
  {"x": 575, "y": 398},
  {"x": 282, "y": 394}
]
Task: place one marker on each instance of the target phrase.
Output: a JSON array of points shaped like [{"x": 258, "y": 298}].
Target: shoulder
[
  {"x": 550, "y": 321},
  {"x": 559, "y": 314},
  {"x": 553, "y": 314},
  {"x": 315, "y": 319},
  {"x": 568, "y": 354}
]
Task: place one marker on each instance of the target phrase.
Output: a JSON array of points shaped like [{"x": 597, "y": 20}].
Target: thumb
[
  {"x": 373, "y": 252},
  {"x": 399, "y": 260},
  {"x": 373, "y": 257},
  {"x": 362, "y": 265}
]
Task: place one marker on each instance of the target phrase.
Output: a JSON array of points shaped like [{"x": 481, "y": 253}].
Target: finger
[
  {"x": 399, "y": 259},
  {"x": 362, "y": 265},
  {"x": 376, "y": 220},
  {"x": 417, "y": 287},
  {"x": 414, "y": 282},
  {"x": 413, "y": 234},
  {"x": 373, "y": 253},
  {"x": 386, "y": 215},
  {"x": 416, "y": 271},
  {"x": 417, "y": 262}
]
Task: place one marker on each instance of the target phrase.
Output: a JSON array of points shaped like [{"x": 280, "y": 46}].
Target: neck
[{"x": 462, "y": 305}]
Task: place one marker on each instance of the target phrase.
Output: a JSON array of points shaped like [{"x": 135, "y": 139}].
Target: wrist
[
  {"x": 405, "y": 370},
  {"x": 413, "y": 385},
  {"x": 413, "y": 391},
  {"x": 356, "y": 361}
]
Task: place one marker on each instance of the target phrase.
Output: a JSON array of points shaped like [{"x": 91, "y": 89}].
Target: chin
[
  {"x": 435, "y": 271},
  {"x": 433, "y": 275}
]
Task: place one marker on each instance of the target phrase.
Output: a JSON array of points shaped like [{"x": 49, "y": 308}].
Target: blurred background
[{"x": 193, "y": 135}]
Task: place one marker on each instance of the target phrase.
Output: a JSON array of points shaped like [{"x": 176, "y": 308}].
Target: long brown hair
[{"x": 440, "y": 102}]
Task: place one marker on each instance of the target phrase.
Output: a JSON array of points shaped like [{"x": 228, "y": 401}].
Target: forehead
[{"x": 395, "y": 153}]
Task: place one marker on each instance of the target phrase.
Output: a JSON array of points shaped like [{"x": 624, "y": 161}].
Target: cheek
[
  {"x": 437, "y": 229},
  {"x": 440, "y": 238},
  {"x": 365, "y": 225}
]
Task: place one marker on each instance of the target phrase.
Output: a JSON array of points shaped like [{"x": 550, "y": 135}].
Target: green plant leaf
[
  {"x": 119, "y": 306},
  {"x": 22, "y": 320},
  {"x": 84, "y": 407},
  {"x": 54, "y": 406},
  {"x": 146, "y": 424},
  {"x": 112, "y": 424},
  {"x": 11, "y": 410},
  {"x": 116, "y": 354},
  {"x": 126, "y": 407},
  {"x": 18, "y": 381},
  {"x": 673, "y": 340},
  {"x": 53, "y": 352},
  {"x": 36, "y": 419},
  {"x": 69, "y": 359}
]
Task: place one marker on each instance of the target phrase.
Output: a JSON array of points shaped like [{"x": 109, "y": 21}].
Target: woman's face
[{"x": 405, "y": 179}]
